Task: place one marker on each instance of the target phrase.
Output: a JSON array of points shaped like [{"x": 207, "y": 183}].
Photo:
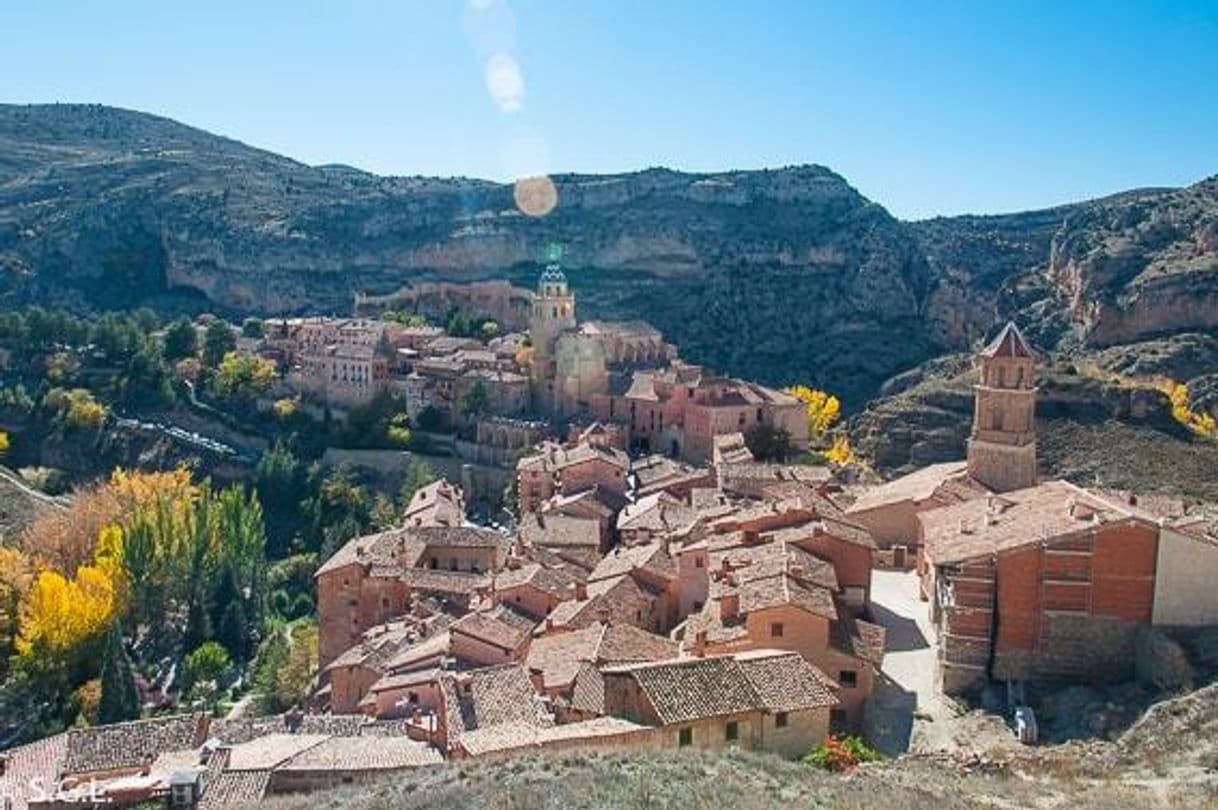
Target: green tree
[
  {"x": 489, "y": 330},
  {"x": 475, "y": 400},
  {"x": 206, "y": 664},
  {"x": 234, "y": 631},
  {"x": 218, "y": 340},
  {"x": 281, "y": 481},
  {"x": 418, "y": 475},
  {"x": 252, "y": 328},
  {"x": 119, "y": 698},
  {"x": 769, "y": 443},
  {"x": 181, "y": 340},
  {"x": 243, "y": 376}
]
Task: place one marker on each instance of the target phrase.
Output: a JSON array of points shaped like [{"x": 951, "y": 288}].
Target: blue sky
[{"x": 927, "y": 108}]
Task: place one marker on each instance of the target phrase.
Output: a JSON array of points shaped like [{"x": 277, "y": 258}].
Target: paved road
[{"x": 907, "y": 682}]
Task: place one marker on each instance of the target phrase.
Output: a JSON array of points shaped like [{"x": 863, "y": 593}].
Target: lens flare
[
  {"x": 535, "y": 196},
  {"x": 505, "y": 82}
]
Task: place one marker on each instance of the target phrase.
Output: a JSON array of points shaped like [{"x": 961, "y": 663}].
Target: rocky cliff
[{"x": 781, "y": 275}]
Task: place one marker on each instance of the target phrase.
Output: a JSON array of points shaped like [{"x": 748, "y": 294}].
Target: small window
[
  {"x": 848, "y": 678},
  {"x": 697, "y": 606},
  {"x": 780, "y": 720},
  {"x": 731, "y": 732},
  {"x": 685, "y": 737},
  {"x": 776, "y": 629},
  {"x": 699, "y": 562}
]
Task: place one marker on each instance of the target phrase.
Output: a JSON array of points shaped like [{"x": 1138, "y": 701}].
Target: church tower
[
  {"x": 553, "y": 314},
  {"x": 1002, "y": 446}
]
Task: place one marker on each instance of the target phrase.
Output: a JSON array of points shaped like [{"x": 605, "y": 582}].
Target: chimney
[
  {"x": 729, "y": 606},
  {"x": 581, "y": 591},
  {"x": 751, "y": 537},
  {"x": 513, "y": 563},
  {"x": 549, "y": 623},
  {"x": 699, "y": 648},
  {"x": 796, "y": 571}
]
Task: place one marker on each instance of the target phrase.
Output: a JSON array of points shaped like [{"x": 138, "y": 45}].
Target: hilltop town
[{"x": 632, "y": 552}]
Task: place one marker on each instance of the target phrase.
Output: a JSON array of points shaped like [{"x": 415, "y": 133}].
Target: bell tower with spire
[
  {"x": 553, "y": 314},
  {"x": 1002, "y": 446}
]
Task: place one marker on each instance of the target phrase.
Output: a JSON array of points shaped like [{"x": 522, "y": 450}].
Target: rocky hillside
[{"x": 782, "y": 275}]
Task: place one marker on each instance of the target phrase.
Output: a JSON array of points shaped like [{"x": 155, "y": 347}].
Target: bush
[{"x": 841, "y": 754}]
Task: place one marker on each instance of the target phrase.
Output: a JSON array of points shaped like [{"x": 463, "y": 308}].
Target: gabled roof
[
  {"x": 917, "y": 486},
  {"x": 558, "y": 656},
  {"x": 999, "y": 523},
  {"x": 1008, "y": 343},
  {"x": 487, "y": 697},
  {"x": 346, "y": 754},
  {"x": 125, "y": 745},
  {"x": 691, "y": 689}
]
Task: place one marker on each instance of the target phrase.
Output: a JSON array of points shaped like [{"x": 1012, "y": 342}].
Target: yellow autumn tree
[
  {"x": 823, "y": 408},
  {"x": 840, "y": 451},
  {"x": 63, "y": 540},
  {"x": 1203, "y": 424},
  {"x": 16, "y": 578},
  {"x": 61, "y": 614}
]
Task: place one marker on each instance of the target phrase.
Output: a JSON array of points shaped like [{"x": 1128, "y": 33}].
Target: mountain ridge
[{"x": 784, "y": 275}]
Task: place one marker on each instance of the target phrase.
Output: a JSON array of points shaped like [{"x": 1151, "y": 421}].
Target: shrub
[{"x": 840, "y": 754}]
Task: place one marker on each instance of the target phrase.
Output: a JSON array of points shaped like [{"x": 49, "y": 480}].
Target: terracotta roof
[
  {"x": 437, "y": 580},
  {"x": 557, "y": 657},
  {"x": 623, "y": 560},
  {"x": 548, "y": 529},
  {"x": 401, "y": 548},
  {"x": 516, "y": 736},
  {"x": 234, "y": 788},
  {"x": 554, "y": 581},
  {"x": 31, "y": 765},
  {"x": 424, "y": 652},
  {"x": 917, "y": 486},
  {"x": 363, "y": 754},
  {"x": 264, "y": 753},
  {"x": 487, "y": 697},
  {"x": 1008, "y": 343},
  {"x": 554, "y": 457},
  {"x": 437, "y": 504},
  {"x": 658, "y": 512},
  {"x": 405, "y": 679},
  {"x": 500, "y": 628},
  {"x": 622, "y": 599},
  {"x": 998, "y": 523},
  {"x": 691, "y": 689},
  {"x": 765, "y": 560},
  {"x": 859, "y": 638},
  {"x": 785, "y": 681},
  {"x": 588, "y": 690},
  {"x": 124, "y": 745}
]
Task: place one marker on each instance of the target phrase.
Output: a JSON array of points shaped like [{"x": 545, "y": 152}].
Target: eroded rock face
[
  {"x": 1140, "y": 264},
  {"x": 787, "y": 275},
  {"x": 783, "y": 276}
]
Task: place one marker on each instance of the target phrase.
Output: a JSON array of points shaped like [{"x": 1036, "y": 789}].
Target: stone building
[
  {"x": 555, "y": 469},
  {"x": 765, "y": 700},
  {"x": 572, "y": 362},
  {"x": 377, "y": 577}
]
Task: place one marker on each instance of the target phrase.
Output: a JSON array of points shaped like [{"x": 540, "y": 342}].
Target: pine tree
[{"x": 119, "y": 699}]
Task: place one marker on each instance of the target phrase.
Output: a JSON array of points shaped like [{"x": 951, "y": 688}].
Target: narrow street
[{"x": 907, "y": 682}]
